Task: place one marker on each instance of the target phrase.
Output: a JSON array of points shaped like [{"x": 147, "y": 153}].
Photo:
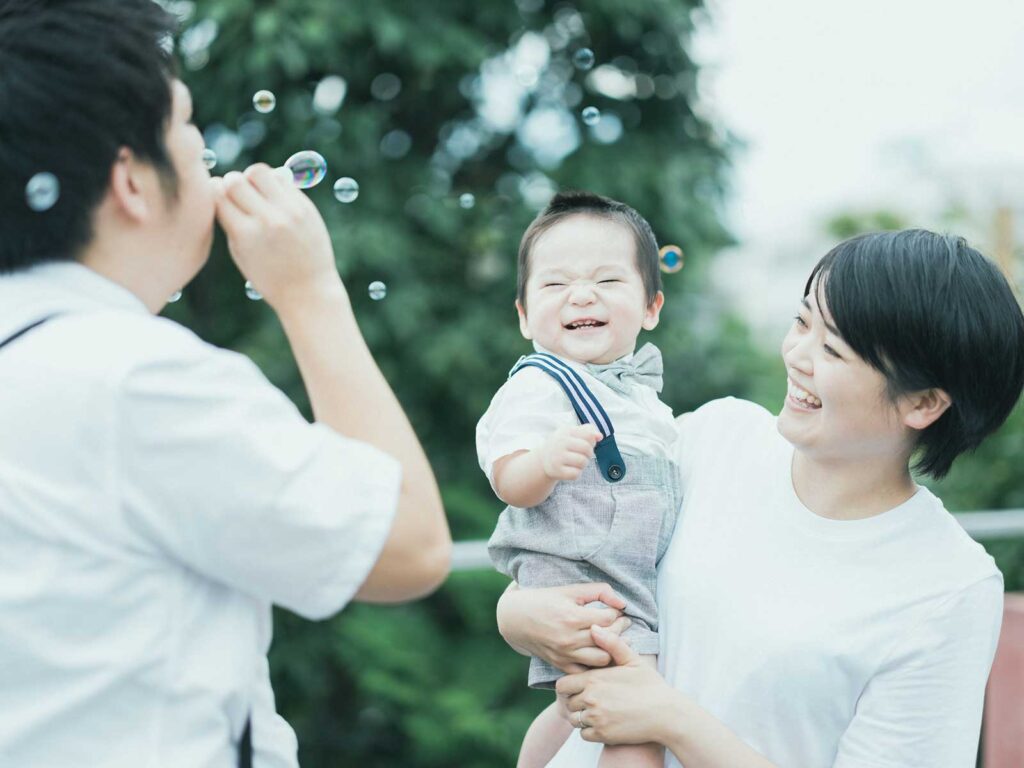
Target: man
[{"x": 157, "y": 494}]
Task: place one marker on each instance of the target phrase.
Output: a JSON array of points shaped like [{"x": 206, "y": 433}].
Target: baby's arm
[{"x": 526, "y": 478}]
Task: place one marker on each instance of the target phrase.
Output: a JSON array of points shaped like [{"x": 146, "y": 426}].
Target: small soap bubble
[
  {"x": 583, "y": 59},
  {"x": 378, "y": 290},
  {"x": 42, "y": 191},
  {"x": 264, "y": 102},
  {"x": 591, "y": 115},
  {"x": 308, "y": 168},
  {"x": 467, "y": 200},
  {"x": 251, "y": 292},
  {"x": 209, "y": 159},
  {"x": 346, "y": 190},
  {"x": 670, "y": 258},
  {"x": 175, "y": 297}
]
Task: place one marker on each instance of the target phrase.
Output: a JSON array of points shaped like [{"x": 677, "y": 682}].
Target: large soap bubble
[{"x": 308, "y": 168}]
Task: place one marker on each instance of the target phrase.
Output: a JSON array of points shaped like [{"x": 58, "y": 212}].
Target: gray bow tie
[{"x": 645, "y": 367}]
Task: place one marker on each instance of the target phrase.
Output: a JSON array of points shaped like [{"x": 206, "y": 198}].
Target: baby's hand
[{"x": 566, "y": 452}]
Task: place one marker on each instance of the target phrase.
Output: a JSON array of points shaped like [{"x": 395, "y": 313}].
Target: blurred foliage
[{"x": 433, "y": 684}]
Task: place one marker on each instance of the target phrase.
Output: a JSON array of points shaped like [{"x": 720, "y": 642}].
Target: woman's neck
[{"x": 851, "y": 490}]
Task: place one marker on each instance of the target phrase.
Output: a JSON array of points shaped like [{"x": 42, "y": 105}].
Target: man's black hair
[
  {"x": 929, "y": 311},
  {"x": 574, "y": 203},
  {"x": 79, "y": 79}
]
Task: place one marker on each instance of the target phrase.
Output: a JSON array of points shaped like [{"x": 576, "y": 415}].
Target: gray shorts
[{"x": 591, "y": 530}]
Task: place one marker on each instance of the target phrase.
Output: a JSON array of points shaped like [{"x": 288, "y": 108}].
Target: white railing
[{"x": 987, "y": 525}]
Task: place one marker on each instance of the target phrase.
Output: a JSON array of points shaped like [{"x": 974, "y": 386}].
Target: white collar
[{"x": 84, "y": 287}]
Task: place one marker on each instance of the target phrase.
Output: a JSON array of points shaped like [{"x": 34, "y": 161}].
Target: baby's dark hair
[{"x": 575, "y": 203}]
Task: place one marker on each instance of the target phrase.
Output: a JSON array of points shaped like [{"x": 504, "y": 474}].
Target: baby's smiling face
[{"x": 585, "y": 298}]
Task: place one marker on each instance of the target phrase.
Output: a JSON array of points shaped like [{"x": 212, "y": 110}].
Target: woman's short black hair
[
  {"x": 927, "y": 310},
  {"x": 79, "y": 79}
]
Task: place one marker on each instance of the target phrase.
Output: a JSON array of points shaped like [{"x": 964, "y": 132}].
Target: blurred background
[{"x": 753, "y": 135}]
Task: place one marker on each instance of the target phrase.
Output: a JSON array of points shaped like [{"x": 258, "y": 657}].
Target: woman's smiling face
[{"x": 837, "y": 407}]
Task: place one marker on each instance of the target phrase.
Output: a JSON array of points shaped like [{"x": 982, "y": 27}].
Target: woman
[{"x": 818, "y": 607}]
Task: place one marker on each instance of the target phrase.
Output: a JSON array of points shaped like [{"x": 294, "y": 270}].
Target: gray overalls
[{"x": 612, "y": 524}]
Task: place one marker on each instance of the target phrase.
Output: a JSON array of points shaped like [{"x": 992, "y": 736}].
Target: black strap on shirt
[
  {"x": 25, "y": 330},
  {"x": 245, "y": 743}
]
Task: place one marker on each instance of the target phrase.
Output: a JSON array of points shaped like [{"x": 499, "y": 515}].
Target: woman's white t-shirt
[{"x": 821, "y": 643}]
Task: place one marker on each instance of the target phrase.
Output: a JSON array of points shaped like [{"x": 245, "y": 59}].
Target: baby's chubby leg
[
  {"x": 545, "y": 737},
  {"x": 634, "y": 755}
]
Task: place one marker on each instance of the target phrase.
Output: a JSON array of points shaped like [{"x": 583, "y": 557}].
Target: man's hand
[
  {"x": 566, "y": 452},
  {"x": 276, "y": 236}
]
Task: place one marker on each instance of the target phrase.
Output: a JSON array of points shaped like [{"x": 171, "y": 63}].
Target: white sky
[{"x": 876, "y": 104}]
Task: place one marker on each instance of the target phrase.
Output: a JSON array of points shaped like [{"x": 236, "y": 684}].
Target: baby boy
[{"x": 576, "y": 442}]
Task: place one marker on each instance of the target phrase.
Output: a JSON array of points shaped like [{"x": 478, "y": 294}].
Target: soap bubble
[
  {"x": 251, "y": 292},
  {"x": 346, "y": 190},
  {"x": 209, "y": 159},
  {"x": 264, "y": 102},
  {"x": 670, "y": 258},
  {"x": 42, "y": 191},
  {"x": 591, "y": 115},
  {"x": 378, "y": 290},
  {"x": 175, "y": 297},
  {"x": 583, "y": 59},
  {"x": 467, "y": 200},
  {"x": 308, "y": 168}
]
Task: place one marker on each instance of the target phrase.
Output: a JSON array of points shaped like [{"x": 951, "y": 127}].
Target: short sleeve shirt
[
  {"x": 531, "y": 405},
  {"x": 821, "y": 643},
  {"x": 157, "y": 496}
]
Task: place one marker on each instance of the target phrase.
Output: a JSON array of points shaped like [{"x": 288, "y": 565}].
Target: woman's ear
[
  {"x": 653, "y": 312},
  {"x": 925, "y": 407},
  {"x": 523, "y": 327}
]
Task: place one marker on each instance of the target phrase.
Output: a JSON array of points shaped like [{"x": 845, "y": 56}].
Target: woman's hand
[
  {"x": 554, "y": 623},
  {"x": 629, "y": 703}
]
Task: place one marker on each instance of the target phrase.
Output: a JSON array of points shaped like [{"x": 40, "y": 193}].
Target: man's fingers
[
  {"x": 243, "y": 194},
  {"x": 230, "y": 216},
  {"x": 620, "y": 625},
  {"x": 263, "y": 177}
]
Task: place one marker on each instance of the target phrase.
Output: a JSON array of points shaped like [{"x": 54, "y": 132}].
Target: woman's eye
[
  {"x": 832, "y": 352},
  {"x": 799, "y": 321}
]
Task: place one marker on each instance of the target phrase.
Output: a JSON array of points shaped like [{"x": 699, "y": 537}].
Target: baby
[{"x": 576, "y": 442}]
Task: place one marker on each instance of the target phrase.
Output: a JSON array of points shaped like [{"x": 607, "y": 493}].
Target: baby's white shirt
[{"x": 531, "y": 405}]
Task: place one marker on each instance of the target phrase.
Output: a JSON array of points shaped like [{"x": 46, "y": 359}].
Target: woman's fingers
[
  {"x": 570, "y": 686},
  {"x": 616, "y": 647},
  {"x": 243, "y": 194},
  {"x": 592, "y": 657},
  {"x": 589, "y": 593}
]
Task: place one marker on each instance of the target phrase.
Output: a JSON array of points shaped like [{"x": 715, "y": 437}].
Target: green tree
[{"x": 432, "y": 684}]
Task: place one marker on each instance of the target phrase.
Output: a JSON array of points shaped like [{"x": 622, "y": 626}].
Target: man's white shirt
[{"x": 157, "y": 495}]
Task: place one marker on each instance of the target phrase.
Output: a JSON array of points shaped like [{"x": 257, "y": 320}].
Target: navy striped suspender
[{"x": 588, "y": 410}]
